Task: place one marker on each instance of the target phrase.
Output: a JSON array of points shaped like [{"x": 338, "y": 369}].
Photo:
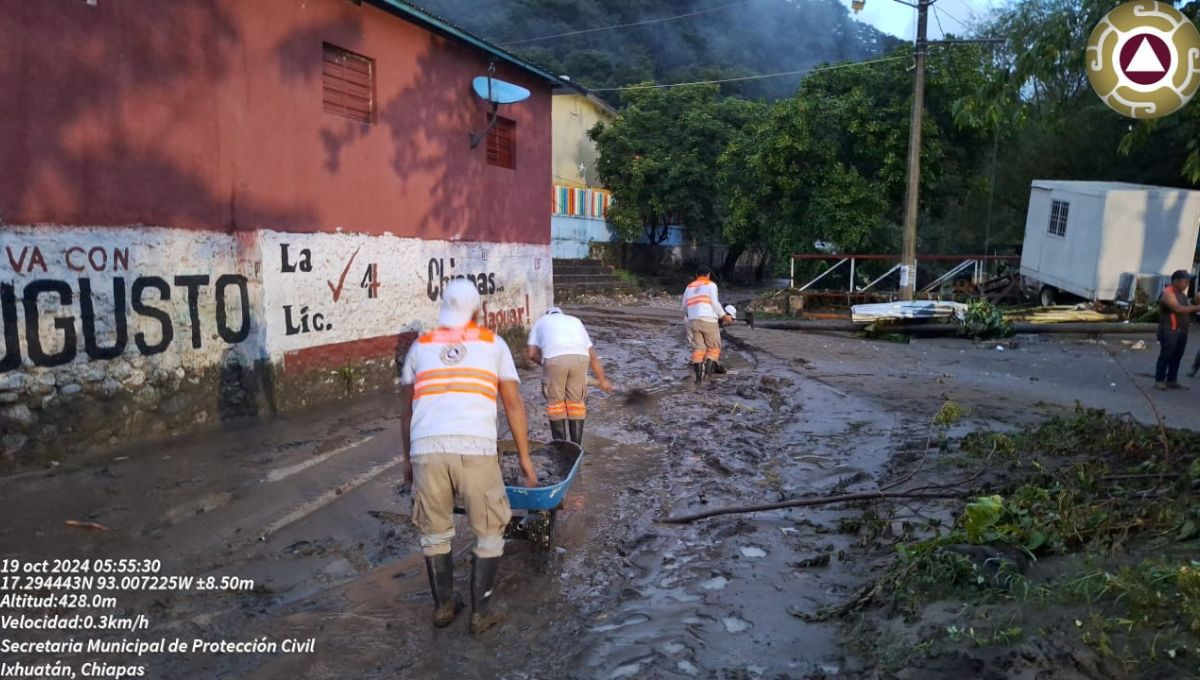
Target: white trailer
[{"x": 1081, "y": 237}]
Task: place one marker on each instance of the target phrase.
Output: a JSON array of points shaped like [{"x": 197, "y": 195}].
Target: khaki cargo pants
[
  {"x": 565, "y": 380},
  {"x": 705, "y": 336},
  {"x": 475, "y": 481}
]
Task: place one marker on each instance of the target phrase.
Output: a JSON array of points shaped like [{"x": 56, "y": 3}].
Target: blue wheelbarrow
[{"x": 536, "y": 509}]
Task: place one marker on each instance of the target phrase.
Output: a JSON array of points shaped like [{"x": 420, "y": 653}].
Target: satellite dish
[{"x": 497, "y": 91}]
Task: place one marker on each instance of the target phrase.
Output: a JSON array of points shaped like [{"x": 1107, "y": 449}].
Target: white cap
[
  {"x": 460, "y": 301},
  {"x": 554, "y": 310},
  {"x": 731, "y": 310}
]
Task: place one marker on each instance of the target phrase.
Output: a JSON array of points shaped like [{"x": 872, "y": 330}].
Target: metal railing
[{"x": 977, "y": 264}]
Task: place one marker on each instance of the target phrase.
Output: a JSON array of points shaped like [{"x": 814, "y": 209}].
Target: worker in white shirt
[
  {"x": 560, "y": 344},
  {"x": 451, "y": 380},
  {"x": 704, "y": 316}
]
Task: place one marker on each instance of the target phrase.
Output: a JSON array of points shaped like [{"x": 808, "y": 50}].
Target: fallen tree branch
[
  {"x": 803, "y": 502},
  {"x": 1164, "y": 438}
]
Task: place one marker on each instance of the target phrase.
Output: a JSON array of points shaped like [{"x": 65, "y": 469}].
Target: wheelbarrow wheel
[{"x": 544, "y": 551}]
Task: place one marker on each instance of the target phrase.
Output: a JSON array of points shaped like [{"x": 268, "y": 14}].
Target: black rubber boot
[
  {"x": 558, "y": 430},
  {"x": 446, "y": 602},
  {"x": 576, "y": 428},
  {"x": 710, "y": 367},
  {"x": 483, "y": 580},
  {"x": 718, "y": 368},
  {"x": 698, "y": 369}
]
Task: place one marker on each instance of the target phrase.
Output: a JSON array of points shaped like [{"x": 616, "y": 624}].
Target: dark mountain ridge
[{"x": 734, "y": 39}]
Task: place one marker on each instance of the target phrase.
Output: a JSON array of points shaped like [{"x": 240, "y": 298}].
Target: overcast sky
[{"x": 900, "y": 20}]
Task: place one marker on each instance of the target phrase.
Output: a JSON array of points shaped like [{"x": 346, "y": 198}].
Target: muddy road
[{"x": 307, "y": 515}]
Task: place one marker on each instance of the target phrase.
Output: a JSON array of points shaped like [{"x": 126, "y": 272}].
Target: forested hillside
[
  {"x": 824, "y": 158},
  {"x": 734, "y": 39}
]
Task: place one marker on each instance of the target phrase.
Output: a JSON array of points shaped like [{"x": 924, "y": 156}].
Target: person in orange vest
[
  {"x": 560, "y": 344},
  {"x": 452, "y": 378},
  {"x": 1174, "y": 316},
  {"x": 704, "y": 316}
]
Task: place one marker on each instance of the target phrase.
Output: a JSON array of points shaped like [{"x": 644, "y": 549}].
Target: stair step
[
  {"x": 573, "y": 270},
  {"x": 591, "y": 287},
  {"x": 583, "y": 278}
]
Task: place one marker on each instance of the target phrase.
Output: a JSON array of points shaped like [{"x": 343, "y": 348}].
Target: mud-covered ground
[{"x": 309, "y": 508}]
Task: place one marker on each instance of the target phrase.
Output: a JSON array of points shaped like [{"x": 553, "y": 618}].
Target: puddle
[
  {"x": 715, "y": 583},
  {"x": 753, "y": 551}
]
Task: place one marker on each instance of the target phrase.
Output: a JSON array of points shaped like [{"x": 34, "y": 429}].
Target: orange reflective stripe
[
  {"x": 576, "y": 409},
  {"x": 447, "y": 335},
  {"x": 438, "y": 373},
  {"x": 455, "y": 388},
  {"x": 699, "y": 299}
]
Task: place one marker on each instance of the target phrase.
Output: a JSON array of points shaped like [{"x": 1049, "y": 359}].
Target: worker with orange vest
[
  {"x": 704, "y": 316},
  {"x": 560, "y": 344},
  {"x": 451, "y": 381},
  {"x": 1174, "y": 315}
]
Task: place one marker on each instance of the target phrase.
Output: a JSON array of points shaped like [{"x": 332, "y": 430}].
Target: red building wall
[{"x": 207, "y": 115}]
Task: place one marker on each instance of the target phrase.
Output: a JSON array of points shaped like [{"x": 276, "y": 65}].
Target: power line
[
  {"x": 758, "y": 77},
  {"x": 960, "y": 21},
  {"x": 938, "y": 17},
  {"x": 636, "y": 23}
]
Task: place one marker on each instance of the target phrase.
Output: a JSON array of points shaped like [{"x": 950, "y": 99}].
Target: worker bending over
[
  {"x": 704, "y": 315},
  {"x": 1174, "y": 315},
  {"x": 451, "y": 380},
  {"x": 560, "y": 344}
]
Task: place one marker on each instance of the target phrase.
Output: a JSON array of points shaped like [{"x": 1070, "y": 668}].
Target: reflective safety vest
[
  {"x": 455, "y": 376},
  {"x": 700, "y": 299},
  {"x": 1169, "y": 320}
]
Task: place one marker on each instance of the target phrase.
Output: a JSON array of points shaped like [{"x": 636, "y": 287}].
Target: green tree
[{"x": 659, "y": 156}]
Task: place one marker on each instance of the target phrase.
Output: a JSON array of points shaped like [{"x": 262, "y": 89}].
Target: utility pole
[{"x": 908, "y": 259}]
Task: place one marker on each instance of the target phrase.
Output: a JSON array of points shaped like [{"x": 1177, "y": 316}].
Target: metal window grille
[{"x": 1058, "y": 217}]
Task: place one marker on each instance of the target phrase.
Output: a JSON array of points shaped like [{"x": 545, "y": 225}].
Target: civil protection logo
[
  {"x": 453, "y": 354},
  {"x": 1143, "y": 59}
]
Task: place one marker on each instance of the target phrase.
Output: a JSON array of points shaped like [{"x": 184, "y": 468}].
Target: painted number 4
[{"x": 370, "y": 280}]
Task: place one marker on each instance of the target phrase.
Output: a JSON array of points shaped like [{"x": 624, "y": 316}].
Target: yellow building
[
  {"x": 575, "y": 112},
  {"x": 580, "y": 203}
]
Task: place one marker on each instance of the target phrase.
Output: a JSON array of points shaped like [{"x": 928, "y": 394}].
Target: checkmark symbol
[{"x": 337, "y": 290}]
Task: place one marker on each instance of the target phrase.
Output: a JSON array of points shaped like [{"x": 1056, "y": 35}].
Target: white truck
[{"x": 1100, "y": 240}]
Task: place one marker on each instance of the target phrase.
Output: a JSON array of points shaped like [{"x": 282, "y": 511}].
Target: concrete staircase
[{"x": 575, "y": 277}]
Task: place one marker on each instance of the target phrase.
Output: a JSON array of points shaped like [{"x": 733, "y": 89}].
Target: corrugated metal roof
[
  {"x": 1094, "y": 187},
  {"x": 444, "y": 27}
]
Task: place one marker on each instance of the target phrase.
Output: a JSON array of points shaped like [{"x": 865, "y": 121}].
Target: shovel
[{"x": 635, "y": 398}]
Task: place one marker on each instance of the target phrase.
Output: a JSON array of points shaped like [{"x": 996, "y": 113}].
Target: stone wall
[{"x": 117, "y": 334}]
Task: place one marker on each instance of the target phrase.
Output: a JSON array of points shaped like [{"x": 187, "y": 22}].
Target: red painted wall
[{"x": 207, "y": 114}]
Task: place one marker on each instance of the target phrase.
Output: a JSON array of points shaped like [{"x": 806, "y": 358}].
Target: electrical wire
[
  {"x": 758, "y": 77},
  {"x": 631, "y": 25},
  {"x": 937, "y": 16},
  {"x": 951, "y": 16}
]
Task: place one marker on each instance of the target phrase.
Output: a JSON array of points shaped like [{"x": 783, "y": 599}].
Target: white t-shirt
[
  {"x": 456, "y": 376},
  {"x": 559, "y": 335}
]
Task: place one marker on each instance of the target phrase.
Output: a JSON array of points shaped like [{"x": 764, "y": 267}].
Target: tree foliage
[
  {"x": 823, "y": 157},
  {"x": 658, "y": 158}
]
